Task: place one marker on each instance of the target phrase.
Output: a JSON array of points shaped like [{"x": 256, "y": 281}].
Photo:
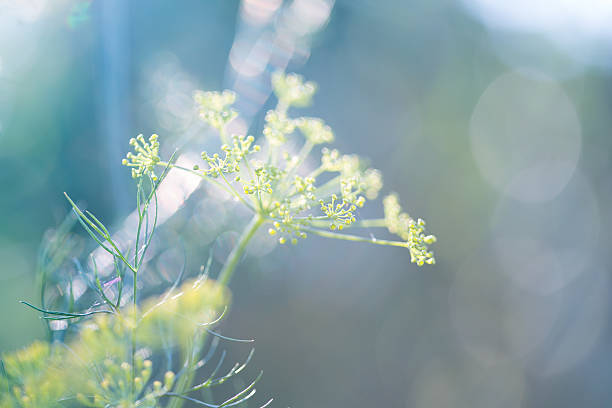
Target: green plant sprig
[{"x": 106, "y": 364}]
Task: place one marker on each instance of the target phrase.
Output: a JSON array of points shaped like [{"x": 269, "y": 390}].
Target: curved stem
[{"x": 232, "y": 261}]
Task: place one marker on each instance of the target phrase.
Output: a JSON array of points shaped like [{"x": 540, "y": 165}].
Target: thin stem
[
  {"x": 281, "y": 108},
  {"x": 354, "y": 238},
  {"x": 328, "y": 187},
  {"x": 235, "y": 193},
  {"x": 323, "y": 191},
  {"x": 374, "y": 223},
  {"x": 252, "y": 175},
  {"x": 195, "y": 173},
  {"x": 64, "y": 314},
  {"x": 223, "y": 135},
  {"x": 184, "y": 382},
  {"x": 317, "y": 172},
  {"x": 227, "y": 187},
  {"x": 302, "y": 155},
  {"x": 232, "y": 261},
  {"x": 133, "y": 340},
  {"x": 138, "y": 207}
]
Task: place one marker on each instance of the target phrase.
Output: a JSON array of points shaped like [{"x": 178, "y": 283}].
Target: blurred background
[{"x": 491, "y": 119}]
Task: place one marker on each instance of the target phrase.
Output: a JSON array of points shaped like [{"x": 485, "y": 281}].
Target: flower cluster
[
  {"x": 176, "y": 318},
  {"x": 233, "y": 154},
  {"x": 292, "y": 198},
  {"x": 286, "y": 223},
  {"x": 262, "y": 181},
  {"x": 277, "y": 127},
  {"x": 117, "y": 388},
  {"x": 215, "y": 107},
  {"x": 413, "y": 232},
  {"x": 146, "y": 157},
  {"x": 340, "y": 213},
  {"x": 97, "y": 369},
  {"x": 101, "y": 371},
  {"x": 291, "y": 90},
  {"x": 315, "y": 130},
  {"x": 27, "y": 380}
]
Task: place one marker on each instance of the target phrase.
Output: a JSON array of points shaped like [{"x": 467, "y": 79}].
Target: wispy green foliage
[{"x": 124, "y": 354}]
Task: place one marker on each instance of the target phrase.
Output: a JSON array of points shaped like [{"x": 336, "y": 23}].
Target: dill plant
[{"x": 118, "y": 350}]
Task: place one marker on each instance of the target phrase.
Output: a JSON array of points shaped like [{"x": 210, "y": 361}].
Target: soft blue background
[{"x": 452, "y": 108}]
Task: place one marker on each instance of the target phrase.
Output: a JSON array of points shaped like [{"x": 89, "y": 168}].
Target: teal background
[{"x": 497, "y": 135}]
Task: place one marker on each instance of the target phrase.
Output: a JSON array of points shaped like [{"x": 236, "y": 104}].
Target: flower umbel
[
  {"x": 291, "y": 90},
  {"x": 293, "y": 199},
  {"x": 413, "y": 232},
  {"x": 146, "y": 157},
  {"x": 215, "y": 107},
  {"x": 278, "y": 126},
  {"x": 315, "y": 130}
]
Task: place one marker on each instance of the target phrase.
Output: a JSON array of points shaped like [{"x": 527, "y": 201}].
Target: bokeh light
[
  {"x": 538, "y": 252},
  {"x": 526, "y": 136}
]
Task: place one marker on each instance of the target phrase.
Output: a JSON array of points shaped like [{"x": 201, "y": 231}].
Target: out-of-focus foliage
[
  {"x": 98, "y": 368},
  {"x": 29, "y": 377},
  {"x": 177, "y": 317}
]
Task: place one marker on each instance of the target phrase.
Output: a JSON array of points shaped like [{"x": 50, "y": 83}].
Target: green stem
[
  {"x": 195, "y": 173},
  {"x": 227, "y": 186},
  {"x": 329, "y": 187},
  {"x": 302, "y": 155},
  {"x": 317, "y": 172},
  {"x": 304, "y": 152},
  {"x": 281, "y": 108},
  {"x": 232, "y": 261},
  {"x": 133, "y": 339},
  {"x": 185, "y": 381},
  {"x": 223, "y": 135},
  {"x": 257, "y": 197},
  {"x": 354, "y": 238}
]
